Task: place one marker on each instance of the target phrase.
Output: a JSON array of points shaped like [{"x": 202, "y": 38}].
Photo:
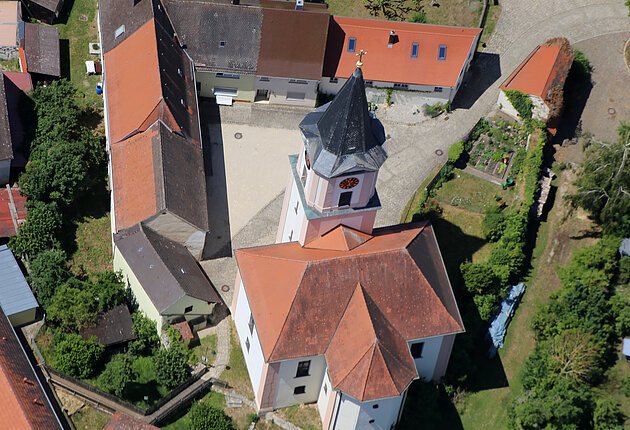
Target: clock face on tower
[{"x": 348, "y": 183}]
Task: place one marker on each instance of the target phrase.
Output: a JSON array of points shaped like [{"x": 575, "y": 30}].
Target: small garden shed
[{"x": 16, "y": 298}]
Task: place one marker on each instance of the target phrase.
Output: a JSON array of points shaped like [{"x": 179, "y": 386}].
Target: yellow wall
[
  {"x": 208, "y": 80},
  {"x": 21, "y": 318},
  {"x": 199, "y": 308}
]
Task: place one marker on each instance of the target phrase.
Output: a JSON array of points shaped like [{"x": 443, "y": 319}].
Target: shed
[
  {"x": 16, "y": 298},
  {"x": 44, "y": 10},
  {"x": 40, "y": 45},
  {"x": 112, "y": 328}
]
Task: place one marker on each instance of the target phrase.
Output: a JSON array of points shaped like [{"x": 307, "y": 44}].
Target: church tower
[{"x": 333, "y": 179}]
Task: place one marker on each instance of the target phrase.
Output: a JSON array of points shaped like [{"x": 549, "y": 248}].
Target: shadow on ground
[
  {"x": 577, "y": 90},
  {"x": 219, "y": 243},
  {"x": 484, "y": 71}
]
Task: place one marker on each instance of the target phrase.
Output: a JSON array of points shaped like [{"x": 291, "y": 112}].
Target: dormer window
[
  {"x": 414, "y": 50},
  {"x": 442, "y": 53},
  {"x": 222, "y": 44},
  {"x": 352, "y": 44}
]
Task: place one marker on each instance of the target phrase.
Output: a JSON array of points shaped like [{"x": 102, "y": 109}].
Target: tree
[
  {"x": 118, "y": 374},
  {"x": 145, "y": 330},
  {"x": 479, "y": 278},
  {"x": 73, "y": 307},
  {"x": 48, "y": 272},
  {"x": 493, "y": 224},
  {"x": 206, "y": 417},
  {"x": 389, "y": 8},
  {"x": 607, "y": 415},
  {"x": 73, "y": 355},
  {"x": 40, "y": 232},
  {"x": 109, "y": 289},
  {"x": 58, "y": 114},
  {"x": 603, "y": 183},
  {"x": 171, "y": 363}
]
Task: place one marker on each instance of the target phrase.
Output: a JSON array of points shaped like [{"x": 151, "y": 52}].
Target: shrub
[
  {"x": 435, "y": 109},
  {"x": 48, "y": 272},
  {"x": 73, "y": 306},
  {"x": 206, "y": 417},
  {"x": 607, "y": 415},
  {"x": 456, "y": 151},
  {"x": 118, "y": 374},
  {"x": 493, "y": 224},
  {"x": 40, "y": 232},
  {"x": 171, "y": 364},
  {"x": 487, "y": 305},
  {"x": 482, "y": 126},
  {"x": 479, "y": 278},
  {"x": 109, "y": 290},
  {"x": 148, "y": 338},
  {"x": 419, "y": 17},
  {"x": 521, "y": 102},
  {"x": 517, "y": 161},
  {"x": 74, "y": 356}
]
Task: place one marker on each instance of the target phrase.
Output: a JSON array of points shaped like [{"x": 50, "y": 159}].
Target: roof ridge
[
  {"x": 398, "y": 362},
  {"x": 343, "y": 313},
  {"x": 389, "y": 323},
  {"x": 370, "y": 347}
]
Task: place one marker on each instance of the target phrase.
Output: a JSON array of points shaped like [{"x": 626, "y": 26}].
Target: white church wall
[
  {"x": 294, "y": 215},
  {"x": 325, "y": 400},
  {"x": 425, "y": 365},
  {"x": 378, "y": 414},
  {"x": 254, "y": 358},
  {"x": 288, "y": 382}
]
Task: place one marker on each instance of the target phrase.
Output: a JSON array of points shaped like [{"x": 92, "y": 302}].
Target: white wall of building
[
  {"x": 286, "y": 91},
  {"x": 379, "y": 414},
  {"x": 5, "y": 171},
  {"x": 540, "y": 110},
  {"x": 287, "y": 381},
  {"x": 426, "y": 364},
  {"x": 375, "y": 90},
  {"x": 324, "y": 397},
  {"x": 254, "y": 358},
  {"x": 293, "y": 224}
]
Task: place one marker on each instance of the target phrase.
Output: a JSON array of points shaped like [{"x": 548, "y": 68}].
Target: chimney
[
  {"x": 299, "y": 4},
  {"x": 392, "y": 38},
  {"x": 236, "y": 2}
]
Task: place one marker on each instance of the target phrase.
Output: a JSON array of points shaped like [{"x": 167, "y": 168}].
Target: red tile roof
[
  {"x": 545, "y": 69},
  {"x": 305, "y": 293},
  {"x": 24, "y": 404},
  {"x": 13, "y": 206},
  {"x": 395, "y": 64},
  {"x": 21, "y": 80},
  {"x": 340, "y": 239}
]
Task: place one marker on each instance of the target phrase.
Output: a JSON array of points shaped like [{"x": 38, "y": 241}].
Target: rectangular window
[
  {"x": 227, "y": 75},
  {"x": 222, "y": 44},
  {"x": 401, "y": 86},
  {"x": 369, "y": 83},
  {"x": 303, "y": 368},
  {"x": 119, "y": 32},
  {"x": 414, "y": 50},
  {"x": 247, "y": 344},
  {"x": 299, "y": 389},
  {"x": 251, "y": 323},
  {"x": 298, "y": 81},
  {"x": 442, "y": 53},
  {"x": 333, "y": 80},
  {"x": 416, "y": 349},
  {"x": 437, "y": 89},
  {"x": 264, "y": 79},
  {"x": 295, "y": 96},
  {"x": 198, "y": 87},
  {"x": 188, "y": 309},
  {"x": 352, "y": 44},
  {"x": 345, "y": 198}
]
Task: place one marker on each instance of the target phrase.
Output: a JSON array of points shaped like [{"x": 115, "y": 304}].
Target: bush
[
  {"x": 493, "y": 224},
  {"x": 40, "y": 232},
  {"x": 435, "y": 109},
  {"x": 145, "y": 329},
  {"x": 521, "y": 102},
  {"x": 48, "y": 272},
  {"x": 479, "y": 278},
  {"x": 487, "y": 305},
  {"x": 517, "y": 161},
  {"x": 607, "y": 415},
  {"x": 206, "y": 417},
  {"x": 456, "y": 151},
  {"x": 74, "y": 356},
  {"x": 171, "y": 364},
  {"x": 419, "y": 17},
  {"x": 73, "y": 307},
  {"x": 482, "y": 126},
  {"x": 109, "y": 290},
  {"x": 118, "y": 374}
]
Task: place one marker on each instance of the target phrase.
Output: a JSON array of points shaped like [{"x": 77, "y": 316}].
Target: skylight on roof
[
  {"x": 352, "y": 44},
  {"x": 442, "y": 53},
  {"x": 119, "y": 31},
  {"x": 414, "y": 50},
  {"x": 222, "y": 44}
]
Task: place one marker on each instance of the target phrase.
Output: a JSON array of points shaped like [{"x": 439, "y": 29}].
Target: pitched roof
[
  {"x": 41, "y": 48},
  {"x": 124, "y": 15},
  {"x": 165, "y": 269},
  {"x": 9, "y": 23},
  {"x": 12, "y": 210},
  {"x": 340, "y": 136},
  {"x": 113, "y": 327},
  {"x": 545, "y": 69},
  {"x": 120, "y": 421},
  {"x": 51, "y": 5},
  {"x": 158, "y": 170},
  {"x": 202, "y": 26},
  {"x": 150, "y": 65},
  {"x": 395, "y": 64},
  {"x": 340, "y": 239},
  {"x": 15, "y": 294},
  {"x": 21, "y": 80},
  {"x": 6, "y": 144},
  {"x": 24, "y": 402},
  {"x": 283, "y": 52},
  {"x": 303, "y": 293}
]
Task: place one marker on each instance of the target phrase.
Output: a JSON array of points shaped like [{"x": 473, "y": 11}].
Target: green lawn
[
  {"x": 93, "y": 246},
  {"x": 182, "y": 422},
  {"x": 75, "y": 34},
  {"x": 207, "y": 348},
  {"x": 305, "y": 417},
  {"x": 236, "y": 372},
  {"x": 10, "y": 65},
  {"x": 492, "y": 17},
  {"x": 89, "y": 418}
]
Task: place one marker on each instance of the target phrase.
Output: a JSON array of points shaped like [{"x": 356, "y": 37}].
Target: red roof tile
[
  {"x": 8, "y": 211},
  {"x": 305, "y": 293},
  {"x": 21, "y": 80},
  {"x": 339, "y": 239},
  {"x": 544, "y": 69},
  {"x": 395, "y": 64}
]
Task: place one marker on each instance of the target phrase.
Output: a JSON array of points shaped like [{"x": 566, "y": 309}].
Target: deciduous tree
[
  {"x": 48, "y": 272},
  {"x": 205, "y": 417},
  {"x": 73, "y": 355}
]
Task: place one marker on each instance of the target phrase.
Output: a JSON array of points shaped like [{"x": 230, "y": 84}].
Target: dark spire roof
[{"x": 342, "y": 136}]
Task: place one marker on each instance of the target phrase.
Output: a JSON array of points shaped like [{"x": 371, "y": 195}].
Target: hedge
[{"x": 521, "y": 102}]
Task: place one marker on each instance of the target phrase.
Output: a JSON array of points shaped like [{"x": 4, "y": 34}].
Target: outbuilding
[{"x": 16, "y": 297}]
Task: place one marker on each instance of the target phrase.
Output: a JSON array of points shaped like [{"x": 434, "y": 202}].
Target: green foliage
[
  {"x": 493, "y": 223},
  {"x": 206, "y": 417},
  {"x": 482, "y": 126},
  {"x": 118, "y": 374},
  {"x": 456, "y": 151},
  {"x": 602, "y": 184},
  {"x": 479, "y": 278},
  {"x": 433, "y": 110},
  {"x": 521, "y": 102},
  {"x": 388, "y": 96},
  {"x": 487, "y": 305},
  {"x": 581, "y": 64},
  {"x": 58, "y": 115},
  {"x": 621, "y": 310},
  {"x": 517, "y": 161},
  {"x": 73, "y": 306},
  {"x": 607, "y": 415},
  {"x": 108, "y": 289},
  {"x": 74, "y": 356},
  {"x": 419, "y": 17},
  {"x": 565, "y": 405},
  {"x": 171, "y": 363},
  {"x": 145, "y": 329},
  {"x": 48, "y": 272},
  {"x": 40, "y": 232},
  {"x": 507, "y": 259}
]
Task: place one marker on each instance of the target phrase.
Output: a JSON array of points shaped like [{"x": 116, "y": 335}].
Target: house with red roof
[
  {"x": 541, "y": 76},
  {"x": 338, "y": 313},
  {"x": 429, "y": 59}
]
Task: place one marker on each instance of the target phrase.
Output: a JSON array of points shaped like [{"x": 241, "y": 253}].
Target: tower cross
[{"x": 360, "y": 55}]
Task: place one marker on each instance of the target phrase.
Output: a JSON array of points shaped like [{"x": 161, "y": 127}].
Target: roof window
[
  {"x": 352, "y": 44},
  {"x": 119, "y": 31},
  {"x": 442, "y": 53},
  {"x": 222, "y": 44},
  {"x": 414, "y": 50}
]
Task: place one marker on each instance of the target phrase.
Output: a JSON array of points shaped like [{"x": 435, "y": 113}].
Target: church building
[{"x": 339, "y": 313}]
